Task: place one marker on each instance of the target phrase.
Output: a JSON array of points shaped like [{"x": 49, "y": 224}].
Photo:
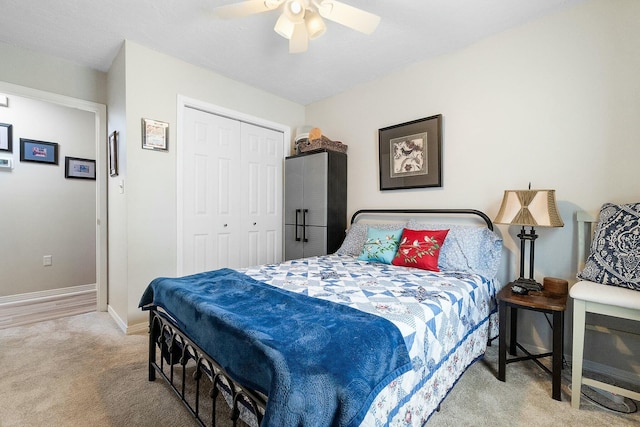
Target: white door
[
  {"x": 262, "y": 158},
  {"x": 231, "y": 193}
]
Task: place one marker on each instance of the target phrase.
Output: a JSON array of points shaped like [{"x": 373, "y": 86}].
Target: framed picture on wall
[
  {"x": 113, "y": 154},
  {"x": 6, "y": 137},
  {"x": 38, "y": 151},
  {"x": 155, "y": 135},
  {"x": 79, "y": 168},
  {"x": 410, "y": 154}
]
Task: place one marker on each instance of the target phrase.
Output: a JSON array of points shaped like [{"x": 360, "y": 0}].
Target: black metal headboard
[{"x": 481, "y": 214}]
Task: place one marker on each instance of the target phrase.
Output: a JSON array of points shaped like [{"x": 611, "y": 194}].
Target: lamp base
[{"x": 528, "y": 284}]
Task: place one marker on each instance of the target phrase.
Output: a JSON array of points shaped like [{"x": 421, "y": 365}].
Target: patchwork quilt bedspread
[{"x": 445, "y": 319}]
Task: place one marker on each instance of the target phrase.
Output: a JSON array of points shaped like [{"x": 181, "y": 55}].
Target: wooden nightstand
[{"x": 551, "y": 300}]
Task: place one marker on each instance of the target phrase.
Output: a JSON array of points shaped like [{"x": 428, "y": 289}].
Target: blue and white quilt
[{"x": 445, "y": 319}]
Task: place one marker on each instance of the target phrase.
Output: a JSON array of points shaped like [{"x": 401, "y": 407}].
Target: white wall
[
  {"x": 554, "y": 103},
  {"x": 117, "y": 240},
  {"x": 42, "y": 212},
  {"x": 50, "y": 74},
  {"x": 150, "y": 176}
]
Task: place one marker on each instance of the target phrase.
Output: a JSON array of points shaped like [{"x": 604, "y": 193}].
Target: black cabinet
[{"x": 315, "y": 200}]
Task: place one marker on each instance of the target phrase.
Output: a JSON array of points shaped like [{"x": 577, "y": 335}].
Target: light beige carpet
[{"x": 83, "y": 371}]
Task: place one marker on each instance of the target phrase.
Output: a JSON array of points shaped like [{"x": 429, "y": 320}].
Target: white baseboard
[
  {"x": 129, "y": 330},
  {"x": 23, "y": 309},
  {"x": 121, "y": 323}
]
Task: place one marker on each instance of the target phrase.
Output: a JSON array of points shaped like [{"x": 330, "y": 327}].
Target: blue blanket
[{"x": 320, "y": 363}]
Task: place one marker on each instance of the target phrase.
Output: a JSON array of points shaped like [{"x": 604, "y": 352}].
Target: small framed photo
[
  {"x": 113, "y": 154},
  {"x": 410, "y": 154},
  {"x": 155, "y": 135},
  {"x": 6, "y": 137},
  {"x": 38, "y": 151},
  {"x": 79, "y": 168}
]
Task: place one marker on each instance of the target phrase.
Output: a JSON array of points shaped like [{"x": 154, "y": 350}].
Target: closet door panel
[
  {"x": 210, "y": 216},
  {"x": 261, "y": 194}
]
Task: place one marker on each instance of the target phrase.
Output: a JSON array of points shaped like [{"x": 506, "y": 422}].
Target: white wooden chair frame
[{"x": 590, "y": 297}]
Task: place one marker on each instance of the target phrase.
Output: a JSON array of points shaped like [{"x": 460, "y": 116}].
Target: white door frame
[
  {"x": 100, "y": 114},
  {"x": 184, "y": 102}
]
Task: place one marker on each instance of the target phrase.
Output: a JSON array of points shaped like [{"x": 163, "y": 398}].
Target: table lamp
[{"x": 529, "y": 208}]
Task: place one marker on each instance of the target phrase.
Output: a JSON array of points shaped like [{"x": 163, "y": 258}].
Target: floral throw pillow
[
  {"x": 357, "y": 236},
  {"x": 381, "y": 245},
  {"x": 615, "y": 248},
  {"x": 420, "y": 249}
]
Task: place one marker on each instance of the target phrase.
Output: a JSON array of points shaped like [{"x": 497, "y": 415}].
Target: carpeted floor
[{"x": 83, "y": 371}]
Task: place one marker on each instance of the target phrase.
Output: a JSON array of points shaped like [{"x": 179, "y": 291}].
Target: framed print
[
  {"x": 410, "y": 154},
  {"x": 6, "y": 137},
  {"x": 79, "y": 168},
  {"x": 113, "y": 154},
  {"x": 38, "y": 151},
  {"x": 155, "y": 135}
]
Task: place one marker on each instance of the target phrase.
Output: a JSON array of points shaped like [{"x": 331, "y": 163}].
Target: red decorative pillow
[{"x": 420, "y": 248}]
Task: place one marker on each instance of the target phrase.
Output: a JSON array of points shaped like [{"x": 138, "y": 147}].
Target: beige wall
[
  {"x": 42, "y": 212},
  {"x": 554, "y": 103}
]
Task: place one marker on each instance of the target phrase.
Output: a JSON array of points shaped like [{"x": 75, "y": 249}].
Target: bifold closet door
[
  {"x": 211, "y": 170},
  {"x": 231, "y": 193},
  {"x": 261, "y": 194}
]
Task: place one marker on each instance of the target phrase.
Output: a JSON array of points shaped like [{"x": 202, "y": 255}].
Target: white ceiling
[{"x": 248, "y": 50}]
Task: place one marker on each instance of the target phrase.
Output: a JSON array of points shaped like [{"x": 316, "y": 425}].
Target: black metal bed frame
[
  {"x": 475, "y": 212},
  {"x": 176, "y": 348}
]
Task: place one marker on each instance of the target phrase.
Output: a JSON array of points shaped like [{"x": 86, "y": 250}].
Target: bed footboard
[{"x": 198, "y": 381}]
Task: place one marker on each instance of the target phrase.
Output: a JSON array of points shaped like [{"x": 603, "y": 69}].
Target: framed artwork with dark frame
[
  {"x": 38, "y": 151},
  {"x": 410, "y": 154},
  {"x": 113, "y": 153},
  {"x": 155, "y": 135},
  {"x": 77, "y": 168},
  {"x": 6, "y": 137}
]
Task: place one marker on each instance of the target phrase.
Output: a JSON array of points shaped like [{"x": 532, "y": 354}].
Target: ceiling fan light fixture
[
  {"x": 294, "y": 10},
  {"x": 284, "y": 27},
  {"x": 303, "y": 20},
  {"x": 315, "y": 25},
  {"x": 299, "y": 41}
]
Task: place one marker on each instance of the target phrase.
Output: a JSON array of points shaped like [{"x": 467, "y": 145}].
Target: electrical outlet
[{"x": 47, "y": 260}]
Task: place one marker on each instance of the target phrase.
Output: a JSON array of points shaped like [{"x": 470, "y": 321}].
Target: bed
[{"x": 357, "y": 337}]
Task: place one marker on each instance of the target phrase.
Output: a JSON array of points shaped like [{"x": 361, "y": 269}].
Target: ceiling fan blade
[
  {"x": 245, "y": 8},
  {"x": 349, "y": 16},
  {"x": 299, "y": 41}
]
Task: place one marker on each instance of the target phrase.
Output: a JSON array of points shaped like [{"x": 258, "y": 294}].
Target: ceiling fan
[{"x": 301, "y": 20}]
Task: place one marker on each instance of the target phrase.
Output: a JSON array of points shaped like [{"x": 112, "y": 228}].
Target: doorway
[{"x": 98, "y": 130}]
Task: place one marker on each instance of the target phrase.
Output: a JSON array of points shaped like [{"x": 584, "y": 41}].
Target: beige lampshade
[{"x": 535, "y": 208}]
